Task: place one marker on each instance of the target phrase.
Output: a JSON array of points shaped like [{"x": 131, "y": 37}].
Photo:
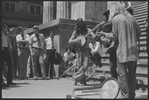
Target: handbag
[{"x": 58, "y": 58}]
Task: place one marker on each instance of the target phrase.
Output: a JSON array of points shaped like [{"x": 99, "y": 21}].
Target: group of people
[
  {"x": 23, "y": 55},
  {"x": 125, "y": 33},
  {"x": 123, "y": 56}
]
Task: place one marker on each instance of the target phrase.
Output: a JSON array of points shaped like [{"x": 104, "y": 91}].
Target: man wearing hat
[
  {"x": 37, "y": 46},
  {"x": 14, "y": 54},
  {"x": 112, "y": 53},
  {"x": 23, "y": 52},
  {"x": 7, "y": 47}
]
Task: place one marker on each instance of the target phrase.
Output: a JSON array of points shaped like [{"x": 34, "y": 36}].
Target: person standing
[
  {"x": 7, "y": 48},
  {"x": 37, "y": 48},
  {"x": 23, "y": 53},
  {"x": 112, "y": 53},
  {"x": 14, "y": 55},
  {"x": 51, "y": 47},
  {"x": 126, "y": 33},
  {"x": 82, "y": 52}
]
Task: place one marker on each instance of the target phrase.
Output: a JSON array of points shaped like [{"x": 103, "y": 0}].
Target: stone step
[
  {"x": 140, "y": 17},
  {"x": 143, "y": 10},
  {"x": 141, "y": 14},
  {"x": 140, "y": 6}
]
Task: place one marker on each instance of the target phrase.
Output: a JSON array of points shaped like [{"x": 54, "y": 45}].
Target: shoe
[
  {"x": 20, "y": 78},
  {"x": 35, "y": 78},
  {"x": 5, "y": 85},
  {"x": 11, "y": 83},
  {"x": 44, "y": 78}
]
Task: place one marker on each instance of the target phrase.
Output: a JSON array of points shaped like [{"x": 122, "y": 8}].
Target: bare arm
[
  {"x": 96, "y": 48},
  {"x": 72, "y": 39}
]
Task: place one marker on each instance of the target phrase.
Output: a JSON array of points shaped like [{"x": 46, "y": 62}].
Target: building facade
[
  {"x": 22, "y": 13},
  {"x": 88, "y": 10}
]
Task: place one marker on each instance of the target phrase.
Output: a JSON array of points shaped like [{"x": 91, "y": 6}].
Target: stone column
[
  {"x": 47, "y": 11},
  {"x": 88, "y": 10},
  {"x": 77, "y": 9},
  {"x": 63, "y": 9}
]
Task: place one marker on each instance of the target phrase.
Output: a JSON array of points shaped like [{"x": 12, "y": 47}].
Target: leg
[
  {"x": 123, "y": 82},
  {"x": 9, "y": 63},
  {"x": 13, "y": 65},
  {"x": 47, "y": 62},
  {"x": 41, "y": 61},
  {"x": 34, "y": 59},
  {"x": 28, "y": 66},
  {"x": 113, "y": 63},
  {"x": 51, "y": 70},
  {"x": 132, "y": 78},
  {"x": 26, "y": 56},
  {"x": 20, "y": 59}
]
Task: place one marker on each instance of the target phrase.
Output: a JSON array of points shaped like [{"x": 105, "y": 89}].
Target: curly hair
[{"x": 80, "y": 27}]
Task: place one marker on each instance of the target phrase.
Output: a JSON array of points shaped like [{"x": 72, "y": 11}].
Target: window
[
  {"x": 6, "y": 7},
  {"x": 34, "y": 9},
  {"x": 12, "y": 7},
  {"x": 9, "y": 7},
  {"x": 37, "y": 10}
]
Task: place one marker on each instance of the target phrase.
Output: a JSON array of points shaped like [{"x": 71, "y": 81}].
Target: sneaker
[
  {"x": 44, "y": 78},
  {"x": 35, "y": 78}
]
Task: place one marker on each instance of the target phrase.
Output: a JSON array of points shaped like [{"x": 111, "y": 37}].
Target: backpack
[{"x": 58, "y": 59}]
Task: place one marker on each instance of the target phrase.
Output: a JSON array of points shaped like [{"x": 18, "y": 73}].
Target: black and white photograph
[{"x": 74, "y": 49}]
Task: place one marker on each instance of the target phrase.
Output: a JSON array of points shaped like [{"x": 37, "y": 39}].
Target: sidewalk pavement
[{"x": 52, "y": 88}]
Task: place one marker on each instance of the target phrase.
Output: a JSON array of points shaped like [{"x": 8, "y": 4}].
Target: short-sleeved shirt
[
  {"x": 96, "y": 47},
  {"x": 34, "y": 41},
  {"x": 19, "y": 38},
  {"x": 68, "y": 56},
  {"x": 49, "y": 43}
]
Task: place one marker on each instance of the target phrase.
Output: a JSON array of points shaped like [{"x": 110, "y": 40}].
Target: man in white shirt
[
  {"x": 23, "y": 53},
  {"x": 68, "y": 57},
  {"x": 96, "y": 52},
  {"x": 51, "y": 47},
  {"x": 37, "y": 48}
]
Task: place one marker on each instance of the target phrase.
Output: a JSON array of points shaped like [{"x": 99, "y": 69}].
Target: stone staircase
[{"x": 140, "y": 14}]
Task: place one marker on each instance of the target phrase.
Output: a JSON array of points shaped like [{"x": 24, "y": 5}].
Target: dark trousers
[
  {"x": 113, "y": 63},
  {"x": 15, "y": 66},
  {"x": 50, "y": 55},
  {"x": 6, "y": 57}
]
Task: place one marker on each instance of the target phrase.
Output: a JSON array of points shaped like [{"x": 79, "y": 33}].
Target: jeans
[
  {"x": 113, "y": 63},
  {"x": 38, "y": 55},
  {"x": 127, "y": 77}
]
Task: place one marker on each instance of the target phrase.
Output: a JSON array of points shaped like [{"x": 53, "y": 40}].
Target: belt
[
  {"x": 6, "y": 48},
  {"x": 37, "y": 48},
  {"x": 50, "y": 49}
]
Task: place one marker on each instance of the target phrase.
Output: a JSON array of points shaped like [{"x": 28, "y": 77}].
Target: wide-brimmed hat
[{"x": 106, "y": 14}]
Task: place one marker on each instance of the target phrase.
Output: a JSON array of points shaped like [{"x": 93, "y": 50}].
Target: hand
[{"x": 31, "y": 54}]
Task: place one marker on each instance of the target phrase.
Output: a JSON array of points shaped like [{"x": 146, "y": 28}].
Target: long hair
[
  {"x": 115, "y": 9},
  {"x": 118, "y": 8},
  {"x": 80, "y": 27}
]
